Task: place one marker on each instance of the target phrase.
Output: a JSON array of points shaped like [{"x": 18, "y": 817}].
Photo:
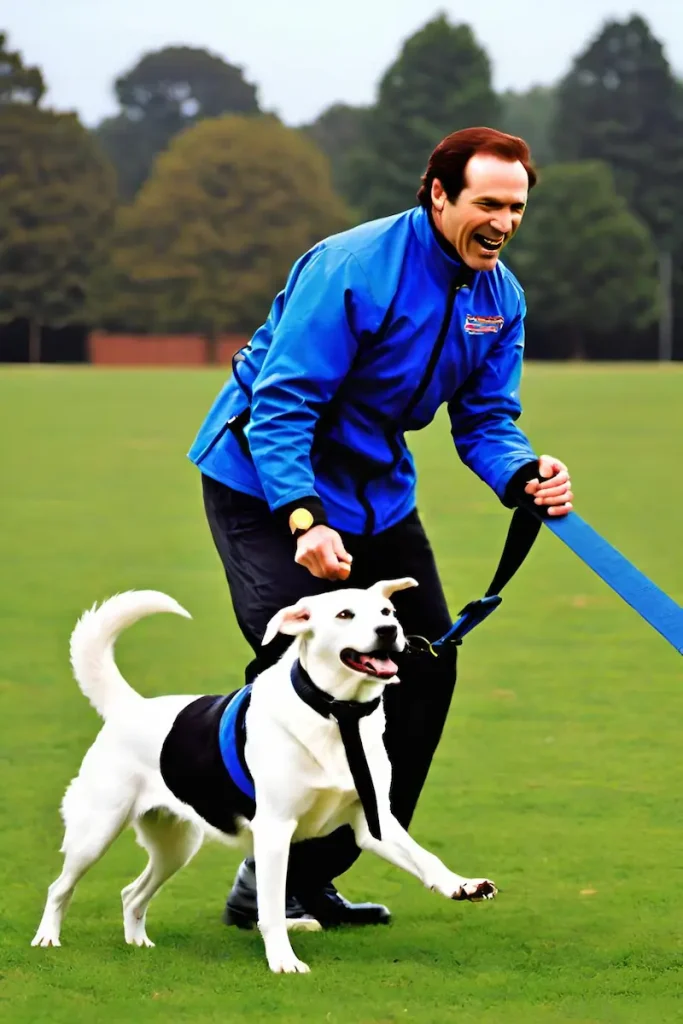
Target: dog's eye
[
  {"x": 346, "y": 614},
  {"x": 386, "y": 611}
]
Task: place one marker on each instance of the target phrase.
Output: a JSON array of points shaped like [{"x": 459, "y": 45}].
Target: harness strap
[{"x": 347, "y": 714}]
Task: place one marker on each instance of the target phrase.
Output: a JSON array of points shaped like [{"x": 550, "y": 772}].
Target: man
[{"x": 308, "y": 482}]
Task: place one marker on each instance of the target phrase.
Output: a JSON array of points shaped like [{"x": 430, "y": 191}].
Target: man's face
[{"x": 487, "y": 212}]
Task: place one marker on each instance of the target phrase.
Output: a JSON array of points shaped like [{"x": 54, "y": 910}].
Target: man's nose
[
  {"x": 387, "y": 633},
  {"x": 502, "y": 222}
]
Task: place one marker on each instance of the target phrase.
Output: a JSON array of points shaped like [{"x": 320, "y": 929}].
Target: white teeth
[{"x": 490, "y": 244}]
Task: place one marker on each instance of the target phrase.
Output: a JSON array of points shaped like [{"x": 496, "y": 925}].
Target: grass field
[{"x": 559, "y": 774}]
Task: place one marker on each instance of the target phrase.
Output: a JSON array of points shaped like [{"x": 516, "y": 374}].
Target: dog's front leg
[
  {"x": 399, "y": 848},
  {"x": 272, "y": 839}
]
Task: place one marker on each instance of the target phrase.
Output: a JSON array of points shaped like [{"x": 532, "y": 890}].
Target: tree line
[{"x": 184, "y": 211}]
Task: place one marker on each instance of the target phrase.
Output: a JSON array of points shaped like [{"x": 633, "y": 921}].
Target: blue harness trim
[
  {"x": 231, "y": 739},
  {"x": 644, "y": 596}
]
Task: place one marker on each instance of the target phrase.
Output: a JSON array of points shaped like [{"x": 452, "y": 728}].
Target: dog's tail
[{"x": 93, "y": 639}]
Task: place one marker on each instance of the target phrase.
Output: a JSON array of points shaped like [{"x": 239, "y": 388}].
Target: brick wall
[{"x": 158, "y": 349}]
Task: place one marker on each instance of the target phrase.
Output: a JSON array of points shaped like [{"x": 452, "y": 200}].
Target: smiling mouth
[
  {"x": 490, "y": 244},
  {"x": 376, "y": 663}
]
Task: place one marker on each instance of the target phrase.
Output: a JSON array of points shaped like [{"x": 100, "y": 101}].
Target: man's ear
[
  {"x": 389, "y": 587},
  {"x": 438, "y": 195},
  {"x": 292, "y": 621}
]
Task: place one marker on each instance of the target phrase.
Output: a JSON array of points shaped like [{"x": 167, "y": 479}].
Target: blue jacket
[{"x": 376, "y": 328}]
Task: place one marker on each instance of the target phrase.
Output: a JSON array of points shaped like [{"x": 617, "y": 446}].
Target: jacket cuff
[
  {"x": 514, "y": 495},
  {"x": 312, "y": 504}
]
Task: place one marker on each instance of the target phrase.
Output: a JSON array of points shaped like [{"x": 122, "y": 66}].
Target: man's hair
[{"x": 450, "y": 158}]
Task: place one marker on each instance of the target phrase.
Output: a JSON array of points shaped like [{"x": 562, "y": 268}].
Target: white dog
[{"x": 294, "y": 751}]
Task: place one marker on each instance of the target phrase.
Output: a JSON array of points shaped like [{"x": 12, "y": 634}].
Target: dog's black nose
[{"x": 387, "y": 634}]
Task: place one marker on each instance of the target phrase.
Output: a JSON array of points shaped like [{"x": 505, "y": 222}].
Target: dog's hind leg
[
  {"x": 90, "y": 831},
  {"x": 171, "y": 843}
]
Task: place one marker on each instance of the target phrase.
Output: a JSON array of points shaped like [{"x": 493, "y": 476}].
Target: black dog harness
[
  {"x": 347, "y": 714},
  {"x": 202, "y": 758}
]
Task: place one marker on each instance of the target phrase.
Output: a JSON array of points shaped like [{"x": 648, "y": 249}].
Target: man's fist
[
  {"x": 554, "y": 489},
  {"x": 321, "y": 551}
]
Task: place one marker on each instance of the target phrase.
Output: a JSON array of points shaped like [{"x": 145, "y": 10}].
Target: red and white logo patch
[{"x": 483, "y": 324}]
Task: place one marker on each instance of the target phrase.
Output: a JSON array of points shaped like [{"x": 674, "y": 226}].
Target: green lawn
[{"x": 559, "y": 773}]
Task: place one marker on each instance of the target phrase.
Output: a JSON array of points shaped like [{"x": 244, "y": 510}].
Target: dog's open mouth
[{"x": 376, "y": 663}]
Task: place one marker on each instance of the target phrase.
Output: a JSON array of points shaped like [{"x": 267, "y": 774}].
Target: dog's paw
[
  {"x": 289, "y": 964},
  {"x": 46, "y": 939},
  {"x": 140, "y": 940},
  {"x": 475, "y": 890},
  {"x": 134, "y": 931}
]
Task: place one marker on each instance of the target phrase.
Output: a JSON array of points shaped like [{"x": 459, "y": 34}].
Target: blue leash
[
  {"x": 644, "y": 596},
  {"x": 656, "y": 607}
]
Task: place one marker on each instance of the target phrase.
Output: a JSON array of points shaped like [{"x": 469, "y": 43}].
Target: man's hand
[
  {"x": 555, "y": 487},
  {"x": 321, "y": 551}
]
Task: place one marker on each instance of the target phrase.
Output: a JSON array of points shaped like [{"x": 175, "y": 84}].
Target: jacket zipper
[
  {"x": 389, "y": 430},
  {"x": 437, "y": 350}
]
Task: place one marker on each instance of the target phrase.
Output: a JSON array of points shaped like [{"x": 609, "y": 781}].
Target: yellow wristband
[{"x": 300, "y": 519}]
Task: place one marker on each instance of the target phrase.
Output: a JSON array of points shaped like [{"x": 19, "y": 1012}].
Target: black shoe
[
  {"x": 331, "y": 909},
  {"x": 324, "y": 908},
  {"x": 241, "y": 910}
]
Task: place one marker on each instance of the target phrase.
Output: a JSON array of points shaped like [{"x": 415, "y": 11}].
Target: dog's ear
[
  {"x": 389, "y": 587},
  {"x": 292, "y": 620}
]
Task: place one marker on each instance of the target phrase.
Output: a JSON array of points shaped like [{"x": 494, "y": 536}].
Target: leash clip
[{"x": 425, "y": 646}]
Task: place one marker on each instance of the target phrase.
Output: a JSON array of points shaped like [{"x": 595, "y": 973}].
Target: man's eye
[{"x": 346, "y": 614}]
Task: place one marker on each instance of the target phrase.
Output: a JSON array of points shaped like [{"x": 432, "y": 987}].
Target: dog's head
[{"x": 346, "y": 637}]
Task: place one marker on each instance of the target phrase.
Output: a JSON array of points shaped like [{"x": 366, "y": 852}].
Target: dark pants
[{"x": 258, "y": 557}]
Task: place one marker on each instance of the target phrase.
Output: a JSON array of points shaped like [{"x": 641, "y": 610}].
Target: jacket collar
[{"x": 443, "y": 258}]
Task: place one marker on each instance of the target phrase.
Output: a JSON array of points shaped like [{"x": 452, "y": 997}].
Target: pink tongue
[{"x": 383, "y": 667}]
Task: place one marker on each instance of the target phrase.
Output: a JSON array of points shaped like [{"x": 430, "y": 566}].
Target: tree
[
  {"x": 18, "y": 83},
  {"x": 620, "y": 103},
  {"x": 339, "y": 131},
  {"x": 168, "y": 90},
  {"x": 212, "y": 234},
  {"x": 440, "y": 82},
  {"x": 531, "y": 116},
  {"x": 587, "y": 264},
  {"x": 57, "y": 199},
  {"x": 131, "y": 151}
]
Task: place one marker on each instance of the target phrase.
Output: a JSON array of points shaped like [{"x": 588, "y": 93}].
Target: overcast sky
[{"x": 305, "y": 54}]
